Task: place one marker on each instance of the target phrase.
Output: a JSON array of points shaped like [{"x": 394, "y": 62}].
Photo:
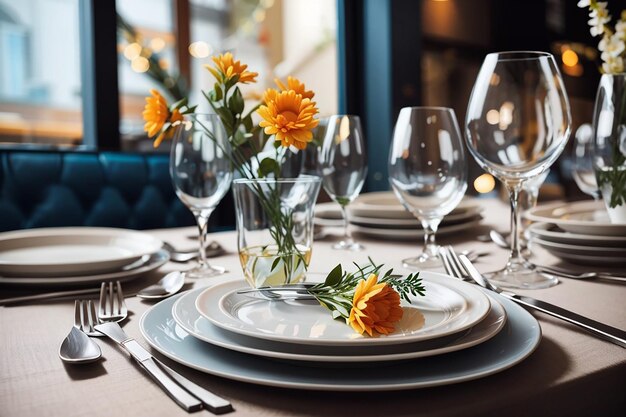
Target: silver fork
[
  {"x": 112, "y": 306},
  {"x": 461, "y": 267},
  {"x": 85, "y": 317}
]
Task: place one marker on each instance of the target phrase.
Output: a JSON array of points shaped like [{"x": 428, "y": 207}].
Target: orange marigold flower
[
  {"x": 168, "y": 133},
  {"x": 375, "y": 307},
  {"x": 226, "y": 67},
  {"x": 288, "y": 116},
  {"x": 295, "y": 85},
  {"x": 155, "y": 113}
]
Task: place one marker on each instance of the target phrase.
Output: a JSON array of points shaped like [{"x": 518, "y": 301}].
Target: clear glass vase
[
  {"x": 275, "y": 228},
  {"x": 609, "y": 132}
]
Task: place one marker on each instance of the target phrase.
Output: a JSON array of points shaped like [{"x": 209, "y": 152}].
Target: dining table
[{"x": 571, "y": 373}]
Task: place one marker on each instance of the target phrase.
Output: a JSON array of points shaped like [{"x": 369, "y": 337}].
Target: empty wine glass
[
  {"x": 427, "y": 171},
  {"x": 201, "y": 172},
  {"x": 343, "y": 167},
  {"x": 518, "y": 122},
  {"x": 582, "y": 161}
]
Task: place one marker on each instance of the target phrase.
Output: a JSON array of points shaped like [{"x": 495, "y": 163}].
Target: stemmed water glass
[
  {"x": 582, "y": 161},
  {"x": 427, "y": 171},
  {"x": 201, "y": 172},
  {"x": 343, "y": 167},
  {"x": 517, "y": 124}
]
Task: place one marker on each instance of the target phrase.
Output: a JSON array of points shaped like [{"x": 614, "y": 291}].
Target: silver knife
[
  {"x": 601, "y": 330},
  {"x": 187, "y": 394}
]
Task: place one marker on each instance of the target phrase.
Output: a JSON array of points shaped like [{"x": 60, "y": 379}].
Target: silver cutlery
[
  {"x": 167, "y": 286},
  {"x": 187, "y": 394},
  {"x": 112, "y": 306},
  {"x": 77, "y": 347},
  {"x": 212, "y": 249},
  {"x": 47, "y": 296},
  {"x": 461, "y": 267},
  {"x": 280, "y": 292},
  {"x": 564, "y": 273},
  {"x": 499, "y": 239}
]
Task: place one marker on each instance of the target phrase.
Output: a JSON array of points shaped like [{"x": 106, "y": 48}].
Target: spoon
[
  {"x": 212, "y": 249},
  {"x": 77, "y": 347},
  {"x": 169, "y": 285},
  {"x": 498, "y": 239}
]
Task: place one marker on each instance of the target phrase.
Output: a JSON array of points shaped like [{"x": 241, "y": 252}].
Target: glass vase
[
  {"x": 275, "y": 228},
  {"x": 609, "y": 132}
]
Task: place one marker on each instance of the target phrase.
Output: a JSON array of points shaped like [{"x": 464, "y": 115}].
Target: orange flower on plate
[
  {"x": 375, "y": 307},
  {"x": 289, "y": 116},
  {"x": 226, "y": 67},
  {"x": 295, "y": 85}
]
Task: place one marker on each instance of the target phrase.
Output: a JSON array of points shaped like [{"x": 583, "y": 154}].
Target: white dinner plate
[
  {"x": 583, "y": 217},
  {"x": 186, "y": 315},
  {"x": 64, "y": 251},
  {"x": 518, "y": 339},
  {"x": 126, "y": 273},
  {"x": 552, "y": 233},
  {"x": 413, "y": 234},
  {"x": 581, "y": 257},
  {"x": 449, "y": 306},
  {"x": 583, "y": 249}
]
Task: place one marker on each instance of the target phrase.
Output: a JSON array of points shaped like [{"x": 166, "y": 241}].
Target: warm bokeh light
[
  {"x": 493, "y": 117},
  {"x": 132, "y": 51},
  {"x": 157, "y": 44},
  {"x": 140, "y": 64},
  {"x": 569, "y": 58},
  {"x": 199, "y": 49},
  {"x": 484, "y": 183}
]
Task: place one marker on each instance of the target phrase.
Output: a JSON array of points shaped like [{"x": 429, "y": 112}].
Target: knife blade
[
  {"x": 187, "y": 394},
  {"x": 601, "y": 330}
]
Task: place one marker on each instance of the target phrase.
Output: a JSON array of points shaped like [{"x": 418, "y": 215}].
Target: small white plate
[
  {"x": 186, "y": 315},
  {"x": 581, "y": 257},
  {"x": 583, "y": 249},
  {"x": 551, "y": 233},
  {"x": 450, "y": 306},
  {"x": 583, "y": 217},
  {"x": 67, "y": 251},
  {"x": 412, "y": 234},
  {"x": 126, "y": 273},
  {"x": 519, "y": 338}
]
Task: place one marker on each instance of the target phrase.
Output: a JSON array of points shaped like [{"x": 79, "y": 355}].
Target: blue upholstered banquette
[{"x": 51, "y": 189}]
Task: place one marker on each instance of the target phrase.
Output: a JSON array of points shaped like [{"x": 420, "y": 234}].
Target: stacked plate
[
  {"x": 579, "y": 232},
  {"x": 381, "y": 215},
  {"x": 76, "y": 255},
  {"x": 455, "y": 333}
]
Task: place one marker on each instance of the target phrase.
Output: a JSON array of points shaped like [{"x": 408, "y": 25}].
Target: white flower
[
  {"x": 622, "y": 139},
  {"x": 612, "y": 65},
  {"x": 611, "y": 46},
  {"x": 620, "y": 27},
  {"x": 583, "y": 4},
  {"x": 599, "y": 17}
]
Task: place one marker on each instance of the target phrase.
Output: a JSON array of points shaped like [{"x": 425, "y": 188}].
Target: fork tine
[
  {"x": 111, "y": 303},
  {"x": 102, "y": 303},
  {"x": 446, "y": 262},
  {"x": 84, "y": 315},
  {"x": 456, "y": 262},
  {"x": 93, "y": 318},
  {"x": 77, "y": 314},
  {"x": 120, "y": 300},
  {"x": 452, "y": 264}
]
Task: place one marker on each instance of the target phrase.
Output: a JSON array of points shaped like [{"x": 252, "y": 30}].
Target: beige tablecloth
[{"x": 571, "y": 373}]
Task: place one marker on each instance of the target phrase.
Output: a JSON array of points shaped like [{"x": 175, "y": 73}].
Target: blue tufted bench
[{"x": 52, "y": 189}]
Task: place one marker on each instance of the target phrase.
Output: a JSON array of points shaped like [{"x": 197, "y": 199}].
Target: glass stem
[
  {"x": 202, "y": 218},
  {"x": 431, "y": 249},
  {"x": 347, "y": 236},
  {"x": 515, "y": 257}
]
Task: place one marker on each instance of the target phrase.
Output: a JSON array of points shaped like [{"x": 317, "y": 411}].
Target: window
[{"x": 40, "y": 82}]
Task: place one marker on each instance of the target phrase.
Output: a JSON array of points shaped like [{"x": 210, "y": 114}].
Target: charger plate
[
  {"x": 518, "y": 339},
  {"x": 551, "y": 233},
  {"x": 583, "y": 217},
  {"x": 65, "y": 251},
  {"x": 185, "y": 313},
  {"x": 450, "y": 306}
]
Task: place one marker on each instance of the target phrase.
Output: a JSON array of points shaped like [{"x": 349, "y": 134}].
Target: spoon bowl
[
  {"x": 77, "y": 348},
  {"x": 167, "y": 286}
]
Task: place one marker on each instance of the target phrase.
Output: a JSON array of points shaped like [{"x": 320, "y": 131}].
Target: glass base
[
  {"x": 348, "y": 245},
  {"x": 522, "y": 278},
  {"x": 204, "y": 271},
  {"x": 422, "y": 261}
]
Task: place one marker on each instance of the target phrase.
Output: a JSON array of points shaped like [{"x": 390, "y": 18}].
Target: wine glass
[
  {"x": 343, "y": 167},
  {"x": 201, "y": 172},
  {"x": 517, "y": 124},
  {"x": 582, "y": 161},
  {"x": 427, "y": 171}
]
